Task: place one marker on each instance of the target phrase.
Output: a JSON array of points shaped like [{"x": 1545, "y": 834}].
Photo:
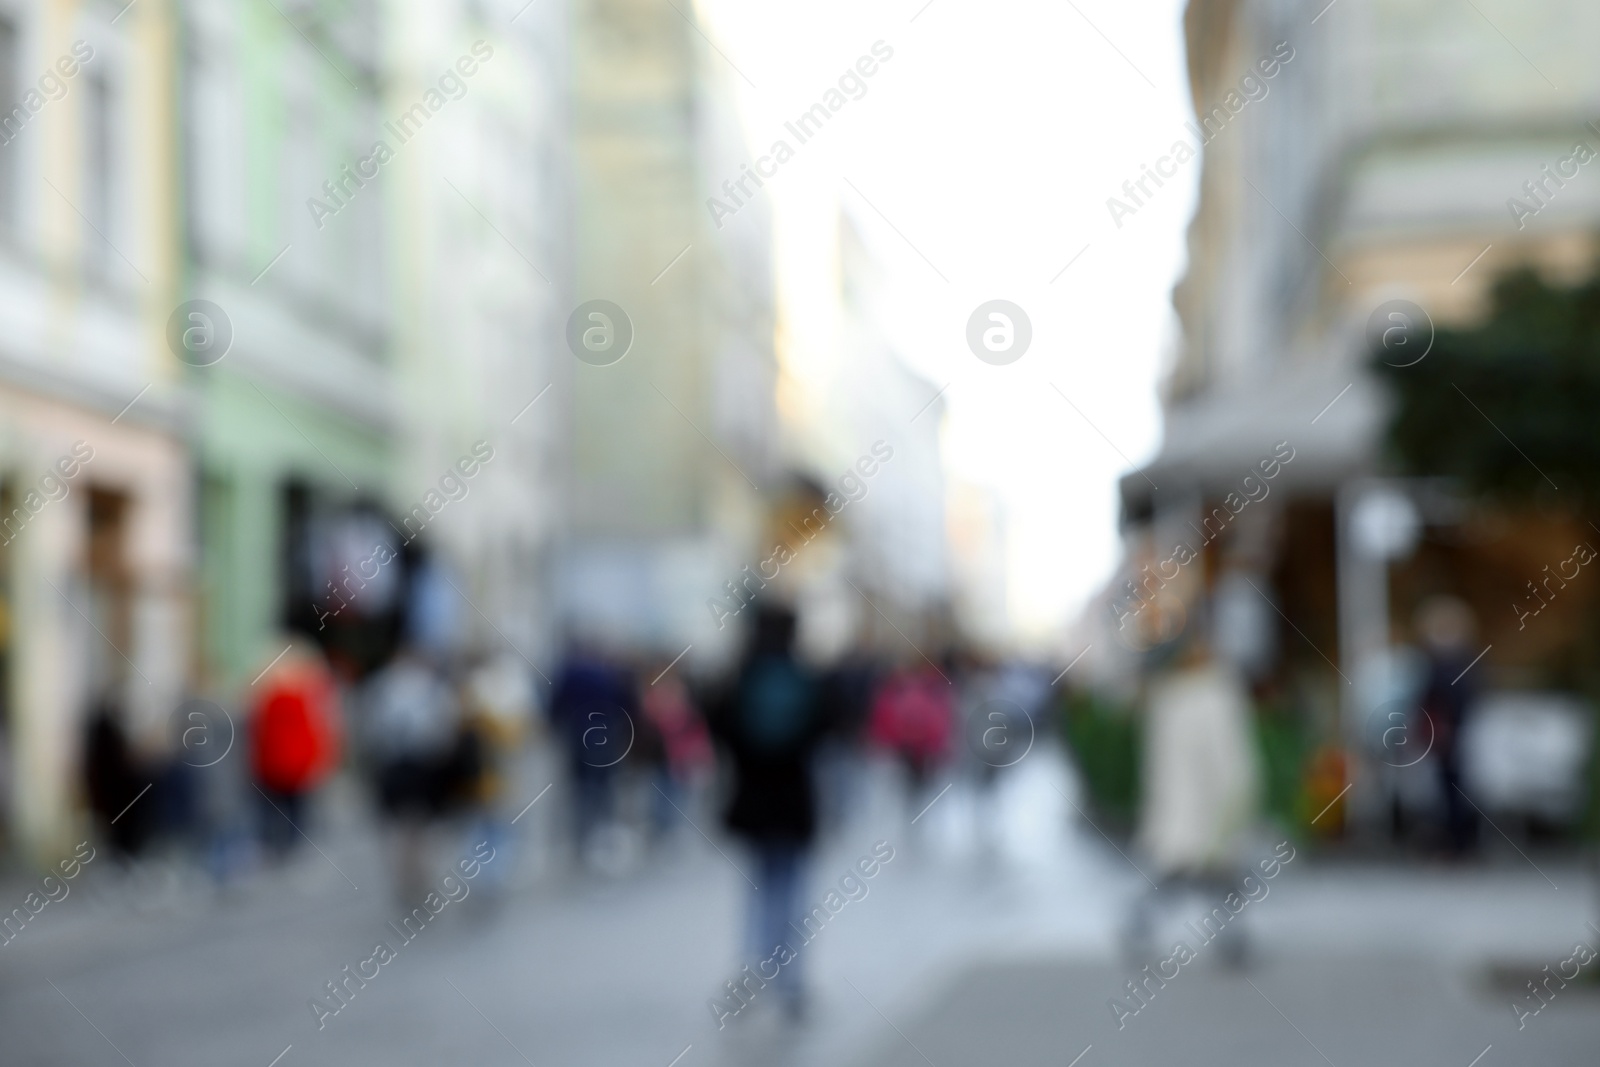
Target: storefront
[{"x": 95, "y": 594}]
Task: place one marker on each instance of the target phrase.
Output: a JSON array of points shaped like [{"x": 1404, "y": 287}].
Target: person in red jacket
[
  {"x": 294, "y": 740},
  {"x": 912, "y": 718}
]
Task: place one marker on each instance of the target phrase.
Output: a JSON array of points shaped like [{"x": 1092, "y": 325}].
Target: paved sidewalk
[
  {"x": 1367, "y": 1011},
  {"x": 970, "y": 938}
]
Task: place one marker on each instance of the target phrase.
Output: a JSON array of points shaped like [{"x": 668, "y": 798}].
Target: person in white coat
[{"x": 1201, "y": 784}]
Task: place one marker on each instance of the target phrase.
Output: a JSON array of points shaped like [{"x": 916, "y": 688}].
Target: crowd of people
[
  {"x": 773, "y": 746},
  {"x": 643, "y": 753},
  {"x": 431, "y": 739}
]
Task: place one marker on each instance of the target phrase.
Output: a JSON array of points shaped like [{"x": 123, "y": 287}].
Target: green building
[{"x": 294, "y": 433}]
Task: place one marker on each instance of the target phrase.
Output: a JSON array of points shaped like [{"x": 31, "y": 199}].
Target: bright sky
[{"x": 991, "y": 141}]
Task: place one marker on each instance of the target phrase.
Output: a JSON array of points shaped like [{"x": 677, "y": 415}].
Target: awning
[{"x": 1331, "y": 414}]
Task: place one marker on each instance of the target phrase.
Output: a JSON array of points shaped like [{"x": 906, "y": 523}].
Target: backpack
[{"x": 775, "y": 705}]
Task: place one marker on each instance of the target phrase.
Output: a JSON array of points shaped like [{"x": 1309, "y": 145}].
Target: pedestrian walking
[
  {"x": 593, "y": 710},
  {"x": 770, "y": 722},
  {"x": 674, "y": 746},
  {"x": 115, "y": 778},
  {"x": 410, "y": 733},
  {"x": 1200, "y": 781},
  {"x": 294, "y": 742},
  {"x": 1446, "y": 626},
  {"x": 496, "y": 707},
  {"x": 912, "y": 718}
]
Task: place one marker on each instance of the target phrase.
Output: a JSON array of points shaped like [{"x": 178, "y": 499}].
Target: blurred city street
[
  {"x": 970, "y": 951},
  {"x": 710, "y": 533}
]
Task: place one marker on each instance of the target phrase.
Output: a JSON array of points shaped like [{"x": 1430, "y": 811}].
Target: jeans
[
  {"x": 776, "y": 912},
  {"x": 593, "y": 801},
  {"x": 1460, "y": 821},
  {"x": 282, "y": 817}
]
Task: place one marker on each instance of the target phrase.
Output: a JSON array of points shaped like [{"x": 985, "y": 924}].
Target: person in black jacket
[
  {"x": 116, "y": 778},
  {"x": 1448, "y": 692},
  {"x": 770, "y": 722}
]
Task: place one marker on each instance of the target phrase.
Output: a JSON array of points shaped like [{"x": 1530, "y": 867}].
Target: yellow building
[{"x": 94, "y": 475}]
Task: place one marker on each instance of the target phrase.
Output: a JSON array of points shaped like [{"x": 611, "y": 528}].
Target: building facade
[
  {"x": 1350, "y": 155},
  {"x": 95, "y": 555},
  {"x": 282, "y": 107},
  {"x": 674, "y": 446},
  {"x": 480, "y": 202}
]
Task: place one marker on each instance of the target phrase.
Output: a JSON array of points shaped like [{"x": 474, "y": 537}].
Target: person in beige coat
[{"x": 1201, "y": 784}]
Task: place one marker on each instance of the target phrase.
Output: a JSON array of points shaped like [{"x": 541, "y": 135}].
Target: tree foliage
[{"x": 1510, "y": 408}]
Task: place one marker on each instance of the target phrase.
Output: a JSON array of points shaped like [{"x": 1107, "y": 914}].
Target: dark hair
[{"x": 774, "y": 630}]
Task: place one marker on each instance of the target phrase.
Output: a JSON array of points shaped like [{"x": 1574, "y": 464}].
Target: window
[{"x": 97, "y": 151}]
